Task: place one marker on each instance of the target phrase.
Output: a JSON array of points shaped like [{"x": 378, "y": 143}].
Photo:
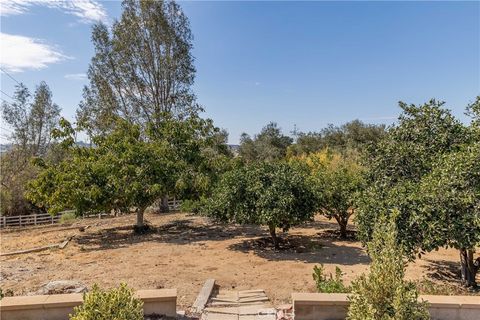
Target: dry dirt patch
[{"x": 182, "y": 251}]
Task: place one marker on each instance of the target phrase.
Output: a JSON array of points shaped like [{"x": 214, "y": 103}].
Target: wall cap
[{"x": 71, "y": 300}]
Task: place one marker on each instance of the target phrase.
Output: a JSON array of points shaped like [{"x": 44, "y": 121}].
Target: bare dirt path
[{"x": 184, "y": 250}]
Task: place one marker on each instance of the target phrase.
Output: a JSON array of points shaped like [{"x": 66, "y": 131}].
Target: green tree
[
  {"x": 274, "y": 194},
  {"x": 269, "y": 145},
  {"x": 397, "y": 169},
  {"x": 142, "y": 68},
  {"x": 32, "y": 122},
  {"x": 450, "y": 207},
  {"x": 384, "y": 294},
  {"x": 338, "y": 179},
  {"x": 200, "y": 152},
  {"x": 124, "y": 171},
  {"x": 351, "y": 135}
]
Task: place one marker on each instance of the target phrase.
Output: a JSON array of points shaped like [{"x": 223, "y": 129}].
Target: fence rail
[{"x": 46, "y": 218}]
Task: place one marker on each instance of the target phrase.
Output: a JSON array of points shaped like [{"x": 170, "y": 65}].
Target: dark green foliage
[
  {"x": 117, "y": 303},
  {"x": 272, "y": 194},
  {"x": 269, "y": 145},
  {"x": 351, "y": 135},
  {"x": 398, "y": 163},
  {"x": 124, "y": 171},
  {"x": 329, "y": 284},
  {"x": 425, "y": 168}
]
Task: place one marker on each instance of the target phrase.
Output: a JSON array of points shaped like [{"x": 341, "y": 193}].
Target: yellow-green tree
[{"x": 337, "y": 179}]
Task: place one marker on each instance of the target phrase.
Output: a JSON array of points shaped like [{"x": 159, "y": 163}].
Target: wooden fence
[
  {"x": 28, "y": 220},
  {"x": 46, "y": 218}
]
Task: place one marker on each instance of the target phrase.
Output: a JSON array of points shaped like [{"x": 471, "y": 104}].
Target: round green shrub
[{"x": 114, "y": 304}]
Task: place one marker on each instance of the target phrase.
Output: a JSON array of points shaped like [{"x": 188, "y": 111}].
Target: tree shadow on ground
[
  {"x": 304, "y": 248},
  {"x": 323, "y": 247},
  {"x": 443, "y": 270},
  {"x": 181, "y": 232}
]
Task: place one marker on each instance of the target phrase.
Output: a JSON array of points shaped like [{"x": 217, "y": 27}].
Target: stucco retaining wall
[
  {"x": 334, "y": 306},
  {"x": 59, "y": 306}
]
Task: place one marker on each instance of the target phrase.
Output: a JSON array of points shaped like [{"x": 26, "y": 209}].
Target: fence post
[
  {"x": 52, "y": 218},
  {"x": 4, "y": 221},
  {"x": 35, "y": 219}
]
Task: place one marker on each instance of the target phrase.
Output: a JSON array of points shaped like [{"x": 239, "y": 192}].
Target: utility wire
[
  {"x": 8, "y": 74},
  {"x": 7, "y": 94},
  {"x": 2, "y": 128}
]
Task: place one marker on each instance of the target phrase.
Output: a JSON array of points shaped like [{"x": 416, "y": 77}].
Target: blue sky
[{"x": 303, "y": 63}]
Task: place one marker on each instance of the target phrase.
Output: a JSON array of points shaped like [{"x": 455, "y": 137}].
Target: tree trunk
[
  {"x": 469, "y": 268},
  {"x": 273, "y": 234},
  {"x": 140, "y": 222},
  {"x": 164, "y": 204},
  {"x": 342, "y": 222}
]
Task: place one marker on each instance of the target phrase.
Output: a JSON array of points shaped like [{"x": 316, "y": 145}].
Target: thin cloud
[
  {"x": 86, "y": 10},
  {"x": 21, "y": 53},
  {"x": 76, "y": 76}
]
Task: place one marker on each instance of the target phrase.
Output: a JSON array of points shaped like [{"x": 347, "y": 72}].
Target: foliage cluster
[
  {"x": 329, "y": 284},
  {"x": 337, "y": 179},
  {"x": 351, "y": 135},
  {"x": 31, "y": 120},
  {"x": 427, "y": 168},
  {"x": 274, "y": 194},
  {"x": 384, "y": 294},
  {"x": 116, "y": 303}
]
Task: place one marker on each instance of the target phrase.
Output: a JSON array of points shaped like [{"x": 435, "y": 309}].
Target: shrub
[
  {"x": 68, "y": 217},
  {"x": 384, "y": 294},
  {"x": 329, "y": 284},
  {"x": 191, "y": 206},
  {"x": 117, "y": 303},
  {"x": 276, "y": 195}
]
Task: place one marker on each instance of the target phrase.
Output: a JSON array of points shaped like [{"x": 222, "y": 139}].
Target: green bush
[
  {"x": 384, "y": 294},
  {"x": 191, "y": 206},
  {"x": 276, "y": 195},
  {"x": 329, "y": 284},
  {"x": 68, "y": 217},
  {"x": 117, "y": 303}
]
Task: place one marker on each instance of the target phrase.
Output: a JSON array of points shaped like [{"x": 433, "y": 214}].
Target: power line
[
  {"x": 7, "y": 95},
  {"x": 6, "y": 129},
  {"x": 8, "y": 74}
]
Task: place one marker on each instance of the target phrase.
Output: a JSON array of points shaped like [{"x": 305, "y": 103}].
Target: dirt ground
[{"x": 184, "y": 250}]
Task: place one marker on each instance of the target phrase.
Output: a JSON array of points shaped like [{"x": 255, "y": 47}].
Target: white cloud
[
  {"x": 20, "y": 53},
  {"x": 87, "y": 10},
  {"x": 76, "y": 76}
]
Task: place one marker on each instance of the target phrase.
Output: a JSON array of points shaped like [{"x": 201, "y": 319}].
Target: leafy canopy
[
  {"x": 269, "y": 145},
  {"x": 397, "y": 164},
  {"x": 124, "y": 170},
  {"x": 273, "y": 194},
  {"x": 337, "y": 178}
]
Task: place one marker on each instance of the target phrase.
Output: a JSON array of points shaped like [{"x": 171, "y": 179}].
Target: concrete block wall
[
  {"x": 59, "y": 306},
  {"x": 334, "y": 306}
]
